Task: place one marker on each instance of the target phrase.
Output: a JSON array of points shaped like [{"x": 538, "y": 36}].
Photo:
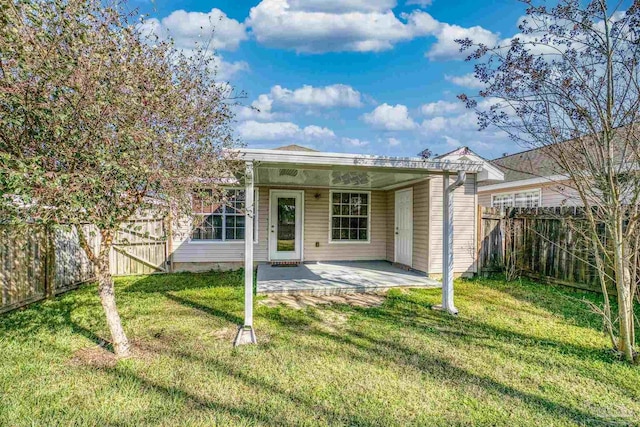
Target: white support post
[
  {"x": 246, "y": 334},
  {"x": 447, "y": 241}
]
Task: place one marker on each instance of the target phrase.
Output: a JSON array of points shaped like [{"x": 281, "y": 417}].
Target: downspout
[{"x": 447, "y": 241}]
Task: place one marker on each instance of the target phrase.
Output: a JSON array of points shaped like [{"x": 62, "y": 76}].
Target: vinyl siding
[
  {"x": 187, "y": 251},
  {"x": 552, "y": 195},
  {"x": 464, "y": 225},
  {"x": 421, "y": 226},
  {"x": 316, "y": 229}
]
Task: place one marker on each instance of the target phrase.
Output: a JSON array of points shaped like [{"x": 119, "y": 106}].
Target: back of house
[{"x": 315, "y": 207}]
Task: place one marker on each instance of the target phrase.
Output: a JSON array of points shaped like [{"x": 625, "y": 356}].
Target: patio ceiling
[{"x": 334, "y": 177}]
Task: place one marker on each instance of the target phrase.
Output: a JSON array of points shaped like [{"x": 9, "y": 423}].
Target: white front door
[
  {"x": 404, "y": 227},
  {"x": 285, "y": 225}
]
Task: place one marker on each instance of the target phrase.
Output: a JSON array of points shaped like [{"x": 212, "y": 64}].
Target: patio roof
[{"x": 339, "y": 170}]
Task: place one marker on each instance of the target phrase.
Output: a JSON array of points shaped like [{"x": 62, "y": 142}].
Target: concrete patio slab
[{"x": 330, "y": 278}]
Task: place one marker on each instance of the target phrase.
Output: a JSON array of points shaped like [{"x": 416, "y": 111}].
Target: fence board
[
  {"x": 36, "y": 262},
  {"x": 541, "y": 243}
]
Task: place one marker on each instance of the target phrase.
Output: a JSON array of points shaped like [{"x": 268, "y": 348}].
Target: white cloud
[
  {"x": 213, "y": 30},
  {"x": 318, "y": 26},
  {"x": 393, "y": 142},
  {"x": 342, "y": 6},
  {"x": 260, "y": 110},
  {"x": 226, "y": 70},
  {"x": 441, "y": 108},
  {"x": 337, "y": 95},
  {"x": 317, "y": 132},
  {"x": 446, "y": 47},
  {"x": 209, "y": 31},
  {"x": 315, "y": 27},
  {"x": 355, "y": 142},
  {"x": 468, "y": 80},
  {"x": 435, "y": 124},
  {"x": 421, "y": 3},
  {"x": 452, "y": 142},
  {"x": 252, "y": 130},
  {"x": 389, "y": 117}
]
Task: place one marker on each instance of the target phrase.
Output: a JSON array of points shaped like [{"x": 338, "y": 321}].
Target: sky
[{"x": 355, "y": 76}]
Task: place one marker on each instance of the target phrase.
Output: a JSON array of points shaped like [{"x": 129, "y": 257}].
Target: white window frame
[
  {"x": 256, "y": 222},
  {"x": 513, "y": 194},
  {"x": 350, "y": 242}
]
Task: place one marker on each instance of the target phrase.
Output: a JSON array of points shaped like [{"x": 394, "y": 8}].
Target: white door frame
[
  {"x": 298, "y": 254},
  {"x": 395, "y": 229}
]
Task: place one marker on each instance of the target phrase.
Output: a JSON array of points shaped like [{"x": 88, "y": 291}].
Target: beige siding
[
  {"x": 552, "y": 194},
  {"x": 187, "y": 251},
  {"x": 391, "y": 219},
  {"x": 427, "y": 241},
  {"x": 421, "y": 226},
  {"x": 464, "y": 225},
  {"x": 316, "y": 230}
]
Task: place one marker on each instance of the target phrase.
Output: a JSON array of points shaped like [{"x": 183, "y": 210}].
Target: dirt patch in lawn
[
  {"x": 95, "y": 357},
  {"x": 299, "y": 302}
]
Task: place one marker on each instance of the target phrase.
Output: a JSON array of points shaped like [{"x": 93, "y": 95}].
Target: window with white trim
[
  {"x": 349, "y": 216},
  {"x": 223, "y": 221},
  {"x": 522, "y": 199}
]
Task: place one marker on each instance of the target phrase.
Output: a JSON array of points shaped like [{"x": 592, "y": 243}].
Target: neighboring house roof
[
  {"x": 295, "y": 147},
  {"x": 537, "y": 166},
  {"x": 526, "y": 165}
]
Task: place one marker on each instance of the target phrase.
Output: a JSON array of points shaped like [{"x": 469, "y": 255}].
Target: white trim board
[
  {"x": 357, "y": 160},
  {"x": 551, "y": 179}
]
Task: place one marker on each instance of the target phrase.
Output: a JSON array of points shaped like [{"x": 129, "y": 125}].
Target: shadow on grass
[
  {"x": 53, "y": 316},
  {"x": 568, "y": 303},
  {"x": 170, "y": 392},
  {"x": 314, "y": 406},
  {"x": 368, "y": 349},
  {"x": 225, "y": 315},
  {"x": 176, "y": 282}
]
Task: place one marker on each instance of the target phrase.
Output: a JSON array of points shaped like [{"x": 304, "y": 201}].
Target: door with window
[
  {"x": 404, "y": 227},
  {"x": 285, "y": 225}
]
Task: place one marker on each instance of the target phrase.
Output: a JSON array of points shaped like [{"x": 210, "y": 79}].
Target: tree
[
  {"x": 568, "y": 83},
  {"x": 100, "y": 122},
  {"x": 425, "y": 154}
]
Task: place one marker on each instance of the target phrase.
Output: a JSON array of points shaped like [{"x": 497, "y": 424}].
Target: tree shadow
[
  {"x": 225, "y": 315},
  {"x": 251, "y": 381},
  {"x": 370, "y": 349},
  {"x": 176, "y": 282},
  {"x": 565, "y": 302}
]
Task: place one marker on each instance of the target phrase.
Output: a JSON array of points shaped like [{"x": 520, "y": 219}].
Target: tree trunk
[
  {"x": 106, "y": 291},
  {"x": 623, "y": 285}
]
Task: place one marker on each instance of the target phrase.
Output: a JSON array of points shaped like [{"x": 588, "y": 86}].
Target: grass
[{"x": 518, "y": 354}]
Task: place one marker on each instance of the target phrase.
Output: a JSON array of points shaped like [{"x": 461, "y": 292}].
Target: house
[
  {"x": 306, "y": 206},
  {"x": 531, "y": 179}
]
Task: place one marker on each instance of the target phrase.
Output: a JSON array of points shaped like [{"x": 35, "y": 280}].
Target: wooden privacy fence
[
  {"x": 541, "y": 243},
  {"x": 37, "y": 262}
]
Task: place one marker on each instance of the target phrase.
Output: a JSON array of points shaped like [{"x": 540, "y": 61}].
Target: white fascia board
[
  {"x": 489, "y": 171},
  {"x": 356, "y": 160},
  {"x": 523, "y": 182}
]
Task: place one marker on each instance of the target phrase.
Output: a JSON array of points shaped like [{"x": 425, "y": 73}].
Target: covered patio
[
  {"x": 334, "y": 206},
  {"x": 330, "y": 278}
]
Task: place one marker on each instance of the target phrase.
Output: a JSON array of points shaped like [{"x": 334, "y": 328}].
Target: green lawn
[{"x": 518, "y": 354}]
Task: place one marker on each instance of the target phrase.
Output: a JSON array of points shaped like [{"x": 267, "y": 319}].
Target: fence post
[
  {"x": 50, "y": 261},
  {"x": 479, "y": 234}
]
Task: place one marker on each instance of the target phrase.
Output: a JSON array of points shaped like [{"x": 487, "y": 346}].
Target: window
[
  {"x": 523, "y": 199},
  {"x": 223, "y": 222},
  {"x": 349, "y": 216}
]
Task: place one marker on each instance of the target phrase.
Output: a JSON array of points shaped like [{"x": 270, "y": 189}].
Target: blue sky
[{"x": 363, "y": 76}]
